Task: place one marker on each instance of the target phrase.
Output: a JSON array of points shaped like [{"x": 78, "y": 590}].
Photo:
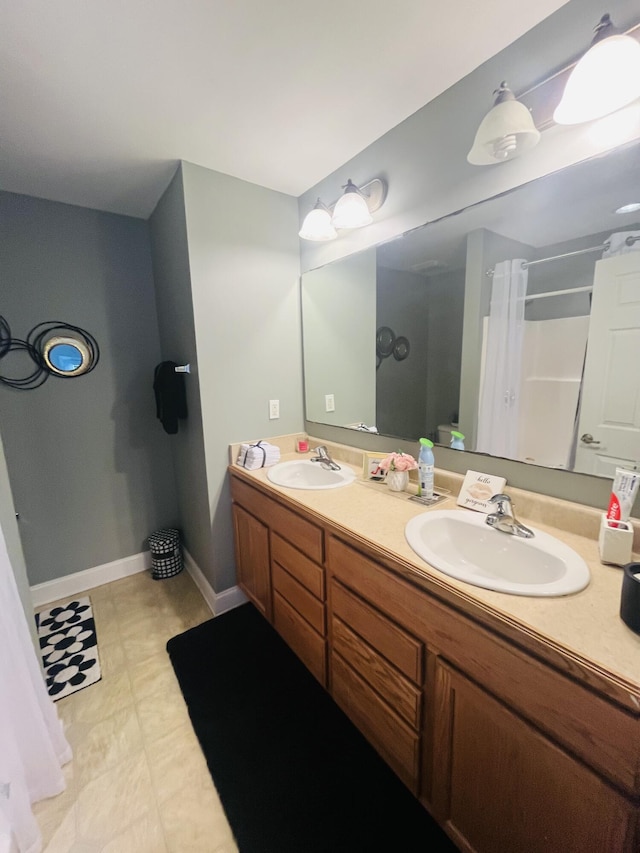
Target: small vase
[{"x": 397, "y": 480}]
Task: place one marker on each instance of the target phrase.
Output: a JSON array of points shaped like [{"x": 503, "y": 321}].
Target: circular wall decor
[
  {"x": 66, "y": 355},
  {"x": 385, "y": 339},
  {"x": 64, "y": 350},
  {"x": 401, "y": 348}
]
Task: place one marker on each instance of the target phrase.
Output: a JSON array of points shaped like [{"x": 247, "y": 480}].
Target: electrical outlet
[
  {"x": 329, "y": 403},
  {"x": 274, "y": 409}
]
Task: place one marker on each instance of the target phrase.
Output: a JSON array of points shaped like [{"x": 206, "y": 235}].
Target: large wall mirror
[{"x": 518, "y": 321}]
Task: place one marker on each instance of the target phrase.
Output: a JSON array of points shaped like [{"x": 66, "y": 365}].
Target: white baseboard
[
  {"x": 219, "y": 602},
  {"x": 43, "y": 593}
]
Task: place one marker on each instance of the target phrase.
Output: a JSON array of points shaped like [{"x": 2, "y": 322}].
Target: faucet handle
[{"x": 504, "y": 504}]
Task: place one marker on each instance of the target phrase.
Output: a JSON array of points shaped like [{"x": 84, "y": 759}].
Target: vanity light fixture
[
  {"x": 317, "y": 224},
  {"x": 506, "y": 132},
  {"x": 606, "y": 79},
  {"x": 352, "y": 210}
]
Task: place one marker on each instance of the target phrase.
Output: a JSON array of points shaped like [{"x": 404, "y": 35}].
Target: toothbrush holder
[{"x": 615, "y": 541}]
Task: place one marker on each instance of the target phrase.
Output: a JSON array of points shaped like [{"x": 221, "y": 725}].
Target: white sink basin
[
  {"x": 305, "y": 474},
  {"x": 461, "y": 544}
]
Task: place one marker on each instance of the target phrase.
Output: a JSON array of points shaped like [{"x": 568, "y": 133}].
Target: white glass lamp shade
[
  {"x": 506, "y": 132},
  {"x": 317, "y": 224},
  {"x": 351, "y": 210},
  {"x": 606, "y": 79}
]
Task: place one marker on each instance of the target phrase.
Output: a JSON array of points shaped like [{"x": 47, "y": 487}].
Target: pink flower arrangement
[{"x": 398, "y": 462}]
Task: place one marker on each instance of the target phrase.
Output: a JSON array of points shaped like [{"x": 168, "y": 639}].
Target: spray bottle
[
  {"x": 425, "y": 469},
  {"x": 457, "y": 440}
]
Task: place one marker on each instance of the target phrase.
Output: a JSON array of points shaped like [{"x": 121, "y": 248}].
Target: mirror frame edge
[{"x": 584, "y": 489}]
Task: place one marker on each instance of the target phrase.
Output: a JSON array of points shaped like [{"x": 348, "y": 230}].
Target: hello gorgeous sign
[{"x": 477, "y": 490}]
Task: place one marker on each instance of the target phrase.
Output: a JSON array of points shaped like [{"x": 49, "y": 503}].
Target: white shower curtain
[
  {"x": 499, "y": 399},
  {"x": 33, "y": 747}
]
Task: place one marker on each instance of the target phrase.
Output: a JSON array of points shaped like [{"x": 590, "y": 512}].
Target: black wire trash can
[{"x": 166, "y": 553}]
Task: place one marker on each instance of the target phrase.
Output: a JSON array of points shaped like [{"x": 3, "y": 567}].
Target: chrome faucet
[
  {"x": 504, "y": 518},
  {"x": 324, "y": 459}
]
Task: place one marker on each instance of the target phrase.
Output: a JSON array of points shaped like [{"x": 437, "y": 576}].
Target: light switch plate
[
  {"x": 274, "y": 409},
  {"x": 329, "y": 403}
]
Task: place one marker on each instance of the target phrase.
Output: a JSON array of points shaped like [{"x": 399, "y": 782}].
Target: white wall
[{"x": 244, "y": 266}]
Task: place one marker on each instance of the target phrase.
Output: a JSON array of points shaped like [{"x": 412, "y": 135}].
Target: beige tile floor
[{"x": 138, "y": 782}]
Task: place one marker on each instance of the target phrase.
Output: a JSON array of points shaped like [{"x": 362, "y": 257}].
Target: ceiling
[{"x": 100, "y": 100}]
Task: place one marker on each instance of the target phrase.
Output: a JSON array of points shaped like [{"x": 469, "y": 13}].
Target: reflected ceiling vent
[{"x": 430, "y": 266}]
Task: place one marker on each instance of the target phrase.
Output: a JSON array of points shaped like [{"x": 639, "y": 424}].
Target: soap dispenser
[{"x": 457, "y": 440}]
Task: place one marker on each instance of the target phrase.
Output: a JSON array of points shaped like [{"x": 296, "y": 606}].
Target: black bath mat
[{"x": 294, "y": 775}]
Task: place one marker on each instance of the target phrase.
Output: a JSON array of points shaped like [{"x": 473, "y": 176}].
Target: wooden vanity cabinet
[
  {"x": 502, "y": 785},
  {"x": 508, "y": 751},
  {"x": 252, "y": 559},
  {"x": 280, "y": 559},
  {"x": 511, "y": 755}
]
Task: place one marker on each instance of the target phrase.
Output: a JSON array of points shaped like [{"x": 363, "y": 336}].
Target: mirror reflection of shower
[{"x": 542, "y": 335}]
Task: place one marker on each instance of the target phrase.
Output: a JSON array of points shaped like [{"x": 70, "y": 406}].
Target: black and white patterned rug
[{"x": 69, "y": 647}]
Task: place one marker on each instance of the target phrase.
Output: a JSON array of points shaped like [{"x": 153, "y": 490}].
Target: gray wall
[
  {"x": 424, "y": 157},
  {"x": 424, "y": 162},
  {"x": 244, "y": 267},
  {"x": 446, "y": 313},
  {"x": 401, "y": 386},
  {"x": 339, "y": 331},
  {"x": 176, "y": 325},
  {"x": 89, "y": 467}
]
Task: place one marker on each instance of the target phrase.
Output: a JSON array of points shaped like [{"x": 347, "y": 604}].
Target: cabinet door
[
  {"x": 252, "y": 557},
  {"x": 500, "y": 785}
]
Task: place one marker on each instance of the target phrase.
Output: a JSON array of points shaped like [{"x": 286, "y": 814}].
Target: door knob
[{"x": 587, "y": 438}]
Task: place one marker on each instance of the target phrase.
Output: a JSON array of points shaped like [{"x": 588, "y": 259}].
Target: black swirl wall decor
[{"x": 55, "y": 348}]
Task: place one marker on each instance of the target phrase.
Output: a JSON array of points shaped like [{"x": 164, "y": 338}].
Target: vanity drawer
[
  {"x": 395, "y": 644},
  {"x": 305, "y": 535},
  {"x": 300, "y": 598},
  {"x": 397, "y": 743},
  {"x": 400, "y": 694},
  {"x": 300, "y": 636},
  {"x": 306, "y": 572}
]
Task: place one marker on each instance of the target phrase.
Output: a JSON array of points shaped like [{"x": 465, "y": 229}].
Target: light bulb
[
  {"x": 606, "y": 79},
  {"x": 317, "y": 224},
  {"x": 351, "y": 210}
]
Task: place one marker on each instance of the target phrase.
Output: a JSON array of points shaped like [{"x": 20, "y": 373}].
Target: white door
[{"x": 609, "y": 426}]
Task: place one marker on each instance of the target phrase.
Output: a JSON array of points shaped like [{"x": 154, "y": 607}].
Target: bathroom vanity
[{"x": 515, "y": 721}]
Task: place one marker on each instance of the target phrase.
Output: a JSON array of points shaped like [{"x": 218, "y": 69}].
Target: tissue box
[{"x": 615, "y": 541}]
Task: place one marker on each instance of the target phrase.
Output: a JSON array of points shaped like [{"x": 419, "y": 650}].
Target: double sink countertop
[{"x": 581, "y": 633}]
